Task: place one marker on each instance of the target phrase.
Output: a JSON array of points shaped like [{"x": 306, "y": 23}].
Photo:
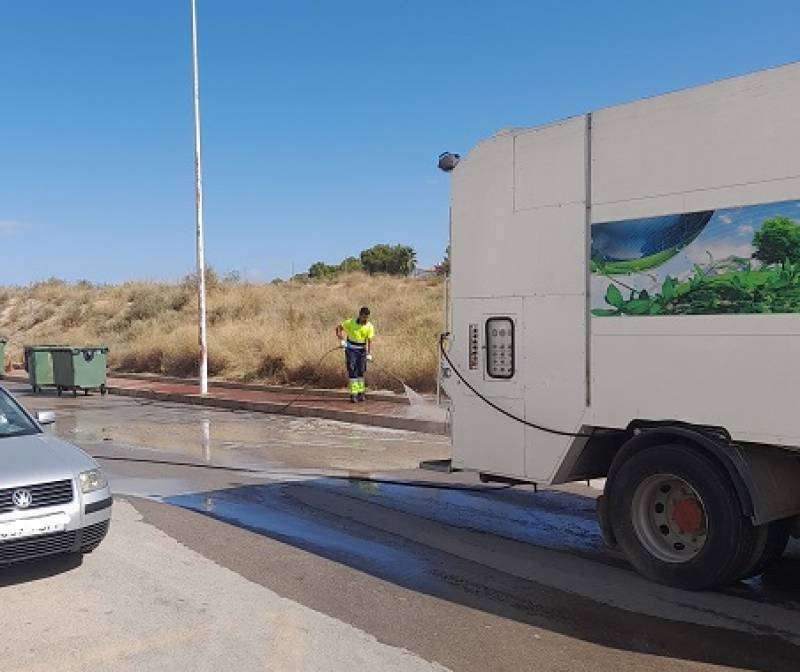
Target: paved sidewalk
[
  {"x": 144, "y": 602},
  {"x": 379, "y": 411}
]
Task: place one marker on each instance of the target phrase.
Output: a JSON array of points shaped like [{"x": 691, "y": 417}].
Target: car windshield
[{"x": 13, "y": 420}]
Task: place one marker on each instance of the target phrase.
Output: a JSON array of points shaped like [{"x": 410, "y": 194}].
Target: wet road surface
[{"x": 474, "y": 577}]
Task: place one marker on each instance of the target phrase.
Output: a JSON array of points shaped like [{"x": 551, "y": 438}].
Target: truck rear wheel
[{"x": 676, "y": 516}]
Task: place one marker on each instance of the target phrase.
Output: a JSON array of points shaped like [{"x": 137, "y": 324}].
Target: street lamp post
[
  {"x": 198, "y": 190},
  {"x": 447, "y": 163}
]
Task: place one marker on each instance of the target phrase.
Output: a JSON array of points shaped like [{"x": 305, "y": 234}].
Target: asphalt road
[{"x": 260, "y": 542}]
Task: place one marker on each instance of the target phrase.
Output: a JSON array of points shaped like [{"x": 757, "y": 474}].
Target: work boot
[
  {"x": 361, "y": 396},
  {"x": 353, "y": 398}
]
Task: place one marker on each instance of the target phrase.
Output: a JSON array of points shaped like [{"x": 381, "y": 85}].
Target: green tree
[
  {"x": 778, "y": 241},
  {"x": 320, "y": 270},
  {"x": 350, "y": 265},
  {"x": 391, "y": 259}
]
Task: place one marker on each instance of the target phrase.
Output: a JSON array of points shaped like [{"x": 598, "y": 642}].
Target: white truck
[{"x": 625, "y": 304}]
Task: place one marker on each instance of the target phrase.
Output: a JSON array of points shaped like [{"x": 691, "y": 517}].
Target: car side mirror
[{"x": 45, "y": 417}]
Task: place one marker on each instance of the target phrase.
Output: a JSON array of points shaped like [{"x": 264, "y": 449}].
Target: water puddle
[
  {"x": 555, "y": 520},
  {"x": 264, "y": 509}
]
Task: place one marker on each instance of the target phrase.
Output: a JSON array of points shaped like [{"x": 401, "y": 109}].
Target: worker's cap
[{"x": 363, "y": 310}]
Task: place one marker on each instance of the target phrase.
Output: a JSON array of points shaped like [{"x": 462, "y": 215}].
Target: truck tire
[{"x": 676, "y": 516}]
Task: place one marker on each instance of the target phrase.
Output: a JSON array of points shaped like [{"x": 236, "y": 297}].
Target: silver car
[{"x": 53, "y": 497}]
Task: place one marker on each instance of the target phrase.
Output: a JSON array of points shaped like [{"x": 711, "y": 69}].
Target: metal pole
[
  {"x": 206, "y": 441},
  {"x": 198, "y": 189}
]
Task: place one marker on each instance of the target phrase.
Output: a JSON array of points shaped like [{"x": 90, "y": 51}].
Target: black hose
[
  {"x": 282, "y": 409},
  {"x": 527, "y": 423},
  {"x": 305, "y": 387}
]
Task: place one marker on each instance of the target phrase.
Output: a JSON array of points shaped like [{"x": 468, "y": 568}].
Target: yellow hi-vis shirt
[{"x": 358, "y": 333}]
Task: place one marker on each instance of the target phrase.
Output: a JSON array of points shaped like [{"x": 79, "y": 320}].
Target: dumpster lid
[{"x": 79, "y": 348}]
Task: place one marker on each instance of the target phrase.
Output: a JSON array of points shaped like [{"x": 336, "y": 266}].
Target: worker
[{"x": 356, "y": 336}]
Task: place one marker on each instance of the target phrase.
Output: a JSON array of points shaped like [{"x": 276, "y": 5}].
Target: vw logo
[{"x": 22, "y": 498}]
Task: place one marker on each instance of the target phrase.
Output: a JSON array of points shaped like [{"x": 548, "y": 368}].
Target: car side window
[{"x": 13, "y": 421}]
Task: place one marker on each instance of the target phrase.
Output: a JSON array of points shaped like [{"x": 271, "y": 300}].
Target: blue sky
[{"x": 321, "y": 120}]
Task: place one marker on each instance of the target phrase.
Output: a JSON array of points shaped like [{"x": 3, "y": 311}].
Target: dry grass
[{"x": 273, "y": 333}]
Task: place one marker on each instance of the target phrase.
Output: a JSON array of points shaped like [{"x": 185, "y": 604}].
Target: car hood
[{"x": 39, "y": 458}]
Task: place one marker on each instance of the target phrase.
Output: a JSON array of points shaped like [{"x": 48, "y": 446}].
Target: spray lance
[{"x": 412, "y": 396}]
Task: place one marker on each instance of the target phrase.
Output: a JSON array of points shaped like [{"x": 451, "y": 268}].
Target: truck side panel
[
  {"x": 728, "y": 150},
  {"x": 555, "y": 347},
  {"x": 732, "y": 142}
]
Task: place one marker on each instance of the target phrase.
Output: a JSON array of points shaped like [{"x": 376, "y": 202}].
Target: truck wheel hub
[
  {"x": 688, "y": 516},
  {"x": 669, "y": 518}
]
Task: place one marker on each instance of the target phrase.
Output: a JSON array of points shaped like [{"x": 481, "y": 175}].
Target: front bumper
[
  {"x": 89, "y": 519},
  {"x": 82, "y": 540}
]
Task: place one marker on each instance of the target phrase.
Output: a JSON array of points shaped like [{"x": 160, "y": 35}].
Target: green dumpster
[
  {"x": 80, "y": 369},
  {"x": 38, "y": 362},
  {"x": 3, "y": 342}
]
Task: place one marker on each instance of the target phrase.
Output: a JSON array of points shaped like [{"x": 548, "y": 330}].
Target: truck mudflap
[
  {"x": 772, "y": 476},
  {"x": 604, "y": 521}
]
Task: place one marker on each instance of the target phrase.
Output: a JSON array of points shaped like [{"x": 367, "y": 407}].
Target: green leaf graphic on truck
[{"x": 733, "y": 260}]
